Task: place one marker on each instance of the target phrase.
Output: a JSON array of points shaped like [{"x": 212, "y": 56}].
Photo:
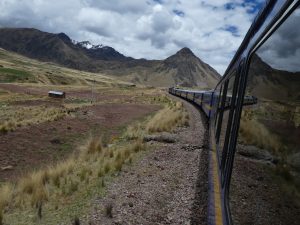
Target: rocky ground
[
  {"x": 168, "y": 186},
  {"x": 257, "y": 195}
]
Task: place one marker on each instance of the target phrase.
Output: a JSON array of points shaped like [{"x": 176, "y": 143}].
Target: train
[
  {"x": 223, "y": 105},
  {"x": 205, "y": 100}
]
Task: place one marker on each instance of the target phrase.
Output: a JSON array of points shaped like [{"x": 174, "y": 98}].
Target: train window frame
[
  {"x": 246, "y": 56},
  {"x": 248, "y": 59},
  {"x": 220, "y": 149},
  {"x": 244, "y": 76},
  {"x": 227, "y": 154},
  {"x": 218, "y": 108},
  {"x": 235, "y": 113},
  {"x": 221, "y": 111}
]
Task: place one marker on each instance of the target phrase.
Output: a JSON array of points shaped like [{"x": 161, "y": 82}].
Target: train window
[
  {"x": 225, "y": 115},
  {"x": 216, "y": 101},
  {"x": 265, "y": 184}
]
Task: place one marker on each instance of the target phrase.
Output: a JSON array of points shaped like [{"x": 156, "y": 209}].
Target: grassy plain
[{"x": 99, "y": 126}]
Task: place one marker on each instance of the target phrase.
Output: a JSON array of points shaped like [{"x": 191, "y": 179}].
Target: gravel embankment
[{"x": 168, "y": 186}]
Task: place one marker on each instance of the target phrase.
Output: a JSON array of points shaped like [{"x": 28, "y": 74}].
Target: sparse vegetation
[
  {"x": 90, "y": 168},
  {"x": 47, "y": 184},
  {"x": 168, "y": 118},
  {"x": 94, "y": 145},
  {"x": 108, "y": 210},
  {"x": 12, "y": 117},
  {"x": 254, "y": 133},
  {"x": 17, "y": 68},
  {"x": 254, "y": 130},
  {"x": 5, "y": 197},
  {"x": 8, "y": 75}
]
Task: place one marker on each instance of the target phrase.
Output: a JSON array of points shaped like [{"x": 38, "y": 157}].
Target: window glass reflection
[{"x": 265, "y": 187}]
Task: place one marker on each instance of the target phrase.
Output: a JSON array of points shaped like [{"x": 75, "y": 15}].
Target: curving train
[
  {"x": 257, "y": 75},
  {"x": 207, "y": 99}
]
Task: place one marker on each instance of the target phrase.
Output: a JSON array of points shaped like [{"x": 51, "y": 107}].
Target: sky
[
  {"x": 282, "y": 50},
  {"x": 151, "y": 29}
]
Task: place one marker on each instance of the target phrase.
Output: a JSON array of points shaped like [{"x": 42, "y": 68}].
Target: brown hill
[
  {"x": 183, "y": 68},
  {"x": 270, "y": 83},
  {"x": 190, "y": 69}
]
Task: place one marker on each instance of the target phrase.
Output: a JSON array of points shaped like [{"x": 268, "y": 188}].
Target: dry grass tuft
[
  {"x": 30, "y": 184},
  {"x": 168, "y": 118},
  {"x": 108, "y": 210},
  {"x": 134, "y": 132},
  {"x": 107, "y": 167},
  {"x": 118, "y": 164},
  {"x": 138, "y": 146},
  {"x": 254, "y": 133},
  {"x": 94, "y": 145},
  {"x": 6, "y": 192},
  {"x": 7, "y": 126},
  {"x": 60, "y": 169},
  {"x": 35, "y": 186}
]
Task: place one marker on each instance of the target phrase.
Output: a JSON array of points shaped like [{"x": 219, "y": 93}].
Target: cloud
[
  {"x": 281, "y": 50},
  {"x": 152, "y": 29}
]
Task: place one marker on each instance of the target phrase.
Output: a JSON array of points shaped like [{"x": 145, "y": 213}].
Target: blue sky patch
[
  {"x": 178, "y": 12},
  {"x": 158, "y": 1},
  {"x": 230, "y": 6},
  {"x": 253, "y": 6},
  {"x": 232, "y": 29}
]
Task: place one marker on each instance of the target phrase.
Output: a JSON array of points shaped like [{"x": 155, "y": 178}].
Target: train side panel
[{"x": 202, "y": 99}]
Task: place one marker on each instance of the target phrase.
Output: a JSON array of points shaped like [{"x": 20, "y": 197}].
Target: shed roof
[{"x": 56, "y": 92}]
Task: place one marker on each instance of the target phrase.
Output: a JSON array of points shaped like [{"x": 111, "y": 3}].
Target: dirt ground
[
  {"x": 166, "y": 187},
  {"x": 38, "y": 145},
  {"x": 85, "y": 93},
  {"x": 22, "y": 89},
  {"x": 38, "y": 102}
]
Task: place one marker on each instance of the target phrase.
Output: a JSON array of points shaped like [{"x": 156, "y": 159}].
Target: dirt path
[{"x": 164, "y": 187}]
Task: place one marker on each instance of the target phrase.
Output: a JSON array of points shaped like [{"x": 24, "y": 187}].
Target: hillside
[
  {"x": 183, "y": 68},
  {"x": 270, "y": 83},
  {"x": 15, "y": 68}
]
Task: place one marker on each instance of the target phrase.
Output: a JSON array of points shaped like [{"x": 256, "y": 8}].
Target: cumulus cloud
[{"x": 152, "y": 29}]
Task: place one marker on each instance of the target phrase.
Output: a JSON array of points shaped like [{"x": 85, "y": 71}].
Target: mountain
[
  {"x": 182, "y": 68},
  {"x": 58, "y": 48},
  {"x": 190, "y": 69},
  {"x": 101, "y": 52},
  {"x": 270, "y": 83}
]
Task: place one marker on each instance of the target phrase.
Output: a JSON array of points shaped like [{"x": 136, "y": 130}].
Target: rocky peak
[
  {"x": 88, "y": 45},
  {"x": 65, "y": 38},
  {"x": 185, "y": 52}
]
